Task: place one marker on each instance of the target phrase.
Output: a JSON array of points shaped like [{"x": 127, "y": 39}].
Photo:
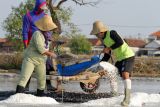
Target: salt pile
[
  {"x": 137, "y": 100},
  {"x": 21, "y": 98}
]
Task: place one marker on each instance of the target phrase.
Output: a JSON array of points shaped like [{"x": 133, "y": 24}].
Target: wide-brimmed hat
[
  {"x": 98, "y": 27},
  {"x": 45, "y": 23}
]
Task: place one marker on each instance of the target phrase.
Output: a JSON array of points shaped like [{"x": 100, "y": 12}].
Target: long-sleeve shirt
[
  {"x": 29, "y": 19},
  {"x": 36, "y": 48}
]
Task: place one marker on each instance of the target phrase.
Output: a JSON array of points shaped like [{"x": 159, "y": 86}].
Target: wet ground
[{"x": 145, "y": 92}]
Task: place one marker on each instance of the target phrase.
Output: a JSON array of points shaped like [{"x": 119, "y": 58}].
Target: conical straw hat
[{"x": 45, "y": 23}]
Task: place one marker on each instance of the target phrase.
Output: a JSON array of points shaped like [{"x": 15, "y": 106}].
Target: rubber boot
[
  {"x": 126, "y": 99},
  {"x": 49, "y": 86},
  {"x": 20, "y": 89},
  {"x": 40, "y": 93}
]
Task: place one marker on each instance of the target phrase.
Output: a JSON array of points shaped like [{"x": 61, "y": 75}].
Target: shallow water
[
  {"x": 145, "y": 93},
  {"x": 139, "y": 84}
]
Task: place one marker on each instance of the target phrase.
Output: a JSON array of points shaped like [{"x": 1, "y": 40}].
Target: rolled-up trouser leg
[
  {"x": 26, "y": 72},
  {"x": 41, "y": 76}
]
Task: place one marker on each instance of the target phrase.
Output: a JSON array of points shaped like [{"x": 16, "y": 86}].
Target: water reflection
[
  {"x": 143, "y": 90},
  {"x": 139, "y": 84}
]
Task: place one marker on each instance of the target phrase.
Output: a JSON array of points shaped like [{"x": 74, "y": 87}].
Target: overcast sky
[{"x": 136, "y": 18}]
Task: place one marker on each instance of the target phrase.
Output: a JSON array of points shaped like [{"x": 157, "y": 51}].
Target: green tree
[
  {"x": 13, "y": 23},
  {"x": 60, "y": 15},
  {"x": 79, "y": 44}
]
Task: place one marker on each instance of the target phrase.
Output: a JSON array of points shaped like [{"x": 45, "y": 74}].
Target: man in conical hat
[{"x": 123, "y": 53}]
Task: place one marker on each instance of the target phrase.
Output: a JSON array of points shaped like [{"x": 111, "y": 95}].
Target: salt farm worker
[
  {"x": 123, "y": 53},
  {"x": 35, "y": 56},
  {"x": 29, "y": 18},
  {"x": 29, "y": 28}
]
